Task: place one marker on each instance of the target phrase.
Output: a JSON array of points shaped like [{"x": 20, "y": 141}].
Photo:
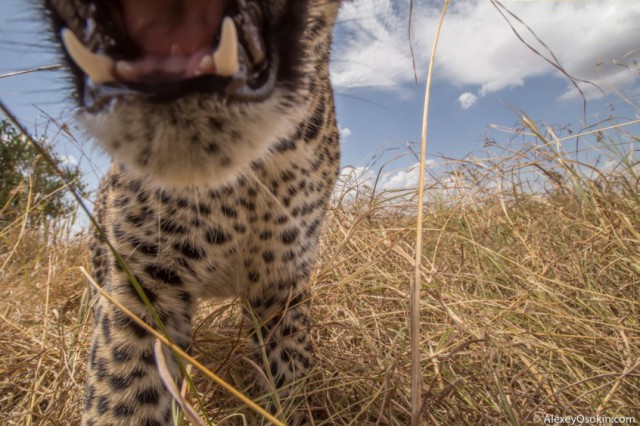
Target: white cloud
[
  {"x": 345, "y": 132},
  {"x": 406, "y": 178},
  {"x": 371, "y": 51},
  {"x": 402, "y": 179},
  {"x": 354, "y": 180},
  {"x": 478, "y": 47},
  {"x": 356, "y": 174},
  {"x": 68, "y": 160},
  {"x": 467, "y": 100}
]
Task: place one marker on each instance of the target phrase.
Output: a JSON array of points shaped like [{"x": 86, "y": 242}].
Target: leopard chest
[{"x": 219, "y": 241}]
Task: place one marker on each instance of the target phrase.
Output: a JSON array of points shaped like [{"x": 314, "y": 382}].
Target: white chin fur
[{"x": 173, "y": 157}]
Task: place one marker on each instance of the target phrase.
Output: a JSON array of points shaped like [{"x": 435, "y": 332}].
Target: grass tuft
[{"x": 530, "y": 301}]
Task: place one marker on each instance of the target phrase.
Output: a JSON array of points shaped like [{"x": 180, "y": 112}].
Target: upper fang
[
  {"x": 99, "y": 68},
  {"x": 226, "y": 57}
]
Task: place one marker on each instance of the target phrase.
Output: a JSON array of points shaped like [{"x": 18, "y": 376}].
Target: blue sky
[{"x": 483, "y": 72}]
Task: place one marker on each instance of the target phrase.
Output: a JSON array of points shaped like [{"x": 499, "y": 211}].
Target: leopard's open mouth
[{"x": 168, "y": 48}]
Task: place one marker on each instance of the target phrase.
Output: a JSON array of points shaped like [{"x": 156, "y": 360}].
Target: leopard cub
[{"x": 219, "y": 117}]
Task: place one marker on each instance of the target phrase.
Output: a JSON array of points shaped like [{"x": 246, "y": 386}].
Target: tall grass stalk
[{"x": 415, "y": 286}]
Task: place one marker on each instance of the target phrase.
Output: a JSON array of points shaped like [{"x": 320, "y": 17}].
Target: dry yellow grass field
[{"x": 530, "y": 301}]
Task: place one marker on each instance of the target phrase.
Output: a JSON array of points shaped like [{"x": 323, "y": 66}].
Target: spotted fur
[{"x": 211, "y": 198}]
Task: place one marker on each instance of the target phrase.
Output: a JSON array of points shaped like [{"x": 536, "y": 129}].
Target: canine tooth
[
  {"x": 226, "y": 57},
  {"x": 99, "y": 68}
]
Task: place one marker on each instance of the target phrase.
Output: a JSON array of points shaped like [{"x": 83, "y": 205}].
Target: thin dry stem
[{"x": 415, "y": 284}]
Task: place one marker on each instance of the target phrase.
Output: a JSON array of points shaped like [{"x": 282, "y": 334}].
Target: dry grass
[{"x": 533, "y": 308}]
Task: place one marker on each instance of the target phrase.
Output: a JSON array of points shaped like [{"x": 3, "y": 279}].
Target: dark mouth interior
[{"x": 162, "y": 42}]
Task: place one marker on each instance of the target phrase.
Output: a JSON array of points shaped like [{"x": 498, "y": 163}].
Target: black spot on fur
[
  {"x": 119, "y": 383},
  {"x": 185, "y": 296},
  {"x": 151, "y": 295},
  {"x": 254, "y": 276},
  {"x": 138, "y": 220},
  {"x": 142, "y": 197},
  {"x": 202, "y": 209},
  {"x": 123, "y": 410},
  {"x": 305, "y": 361},
  {"x": 115, "y": 181},
  {"x": 134, "y": 185},
  {"x": 229, "y": 211},
  {"x": 313, "y": 226},
  {"x": 163, "y": 274},
  {"x": 265, "y": 235},
  {"x": 280, "y": 379},
  {"x": 144, "y": 247},
  {"x": 288, "y": 256},
  {"x": 212, "y": 148},
  {"x": 217, "y": 236},
  {"x": 163, "y": 196},
  {"x": 183, "y": 203},
  {"x": 101, "y": 369},
  {"x": 122, "y": 354},
  {"x": 287, "y": 175},
  {"x": 268, "y": 256},
  {"x": 247, "y": 204},
  {"x": 148, "y": 396},
  {"x": 299, "y": 299},
  {"x": 215, "y": 124},
  {"x": 89, "y": 394},
  {"x": 274, "y": 368},
  {"x": 106, "y": 329},
  {"x": 103, "y": 405},
  {"x": 122, "y": 201},
  {"x": 314, "y": 126},
  {"x": 92, "y": 356},
  {"x": 307, "y": 209},
  {"x": 288, "y": 330},
  {"x": 148, "y": 358},
  {"x": 189, "y": 251},
  {"x": 122, "y": 321},
  {"x": 285, "y": 145},
  {"x": 289, "y": 236},
  {"x": 171, "y": 227}
]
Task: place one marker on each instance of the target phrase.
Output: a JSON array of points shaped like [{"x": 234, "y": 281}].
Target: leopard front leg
[
  {"x": 281, "y": 338},
  {"x": 123, "y": 384}
]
